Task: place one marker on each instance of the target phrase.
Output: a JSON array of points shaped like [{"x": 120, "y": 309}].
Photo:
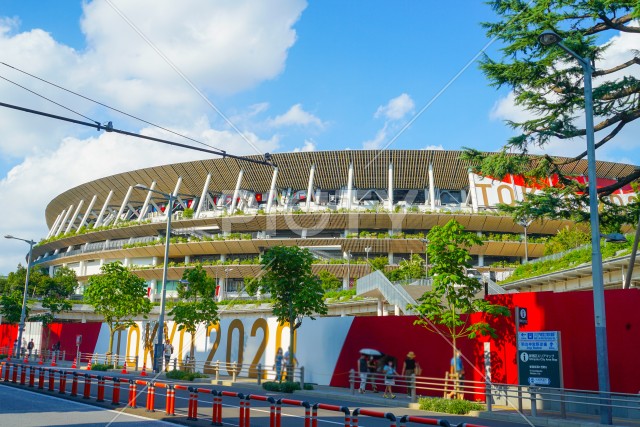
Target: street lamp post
[
  {"x": 525, "y": 222},
  {"x": 549, "y": 38},
  {"x": 159, "y": 349},
  {"x": 23, "y": 313}
]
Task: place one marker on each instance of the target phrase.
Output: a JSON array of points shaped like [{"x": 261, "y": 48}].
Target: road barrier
[
  {"x": 334, "y": 408},
  {"x": 375, "y": 414},
  {"x": 10, "y": 370},
  {"x": 424, "y": 421}
]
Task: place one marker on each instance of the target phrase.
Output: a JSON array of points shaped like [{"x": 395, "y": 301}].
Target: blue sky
[{"x": 327, "y": 75}]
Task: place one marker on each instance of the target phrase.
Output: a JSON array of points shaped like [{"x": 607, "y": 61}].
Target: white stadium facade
[{"x": 347, "y": 207}]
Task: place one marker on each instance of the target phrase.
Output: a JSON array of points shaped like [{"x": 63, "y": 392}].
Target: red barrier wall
[
  {"x": 8, "y": 334},
  {"x": 66, "y": 333},
  {"x": 571, "y": 313}
]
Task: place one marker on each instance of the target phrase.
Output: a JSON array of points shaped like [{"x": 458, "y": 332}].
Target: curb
[{"x": 538, "y": 421}]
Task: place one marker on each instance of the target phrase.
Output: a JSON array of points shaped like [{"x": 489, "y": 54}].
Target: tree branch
[
  {"x": 616, "y": 23},
  {"x": 605, "y": 191},
  {"x": 603, "y": 141},
  {"x": 634, "y": 60}
]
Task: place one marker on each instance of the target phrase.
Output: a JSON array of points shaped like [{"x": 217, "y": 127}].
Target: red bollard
[
  {"x": 74, "y": 385},
  {"x": 193, "y": 404},
  {"x": 247, "y": 412},
  {"x": 23, "y": 374},
  {"x": 14, "y": 376},
  {"x": 40, "y": 378},
  {"x": 32, "y": 376},
  {"x": 52, "y": 379},
  {"x": 86, "y": 394},
  {"x": 63, "y": 382},
  {"x": 307, "y": 416},
  {"x": 1, "y": 368},
  {"x": 100, "y": 389},
  {"x": 278, "y": 412},
  {"x": 151, "y": 390},
  {"x": 132, "y": 394},
  {"x": 116, "y": 392},
  {"x": 171, "y": 398}
]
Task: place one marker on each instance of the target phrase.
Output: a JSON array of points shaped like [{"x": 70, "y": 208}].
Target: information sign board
[{"x": 539, "y": 359}]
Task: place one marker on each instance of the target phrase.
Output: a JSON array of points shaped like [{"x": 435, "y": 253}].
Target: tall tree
[
  {"x": 296, "y": 292},
  {"x": 119, "y": 296},
  {"x": 548, "y": 83},
  {"x": 197, "y": 305},
  {"x": 454, "y": 295},
  {"x": 412, "y": 268}
]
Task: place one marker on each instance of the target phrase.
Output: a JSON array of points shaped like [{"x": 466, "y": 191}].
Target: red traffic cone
[
  {"x": 53, "y": 360},
  {"x": 26, "y": 359},
  {"x": 40, "y": 362},
  {"x": 144, "y": 370},
  {"x": 89, "y": 365},
  {"x": 74, "y": 365},
  {"x": 124, "y": 368}
]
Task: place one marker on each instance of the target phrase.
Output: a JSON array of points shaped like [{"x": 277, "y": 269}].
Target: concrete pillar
[
  {"x": 54, "y": 227},
  {"x": 236, "y": 192},
  {"x": 350, "y": 186},
  {"x": 102, "y": 211},
  {"x": 145, "y": 205},
  {"x": 310, "y": 187},
  {"x": 432, "y": 188},
  {"x": 390, "y": 199},
  {"x": 123, "y": 205},
  {"x": 272, "y": 190},
  {"x": 203, "y": 197},
  {"x": 88, "y": 211},
  {"x": 390, "y": 258},
  {"x": 65, "y": 216},
  {"x": 74, "y": 217}
]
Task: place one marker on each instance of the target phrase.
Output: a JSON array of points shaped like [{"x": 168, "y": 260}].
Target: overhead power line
[{"x": 109, "y": 128}]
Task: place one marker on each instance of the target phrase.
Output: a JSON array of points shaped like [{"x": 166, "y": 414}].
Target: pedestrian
[
  {"x": 372, "y": 367},
  {"x": 277, "y": 364},
  {"x": 30, "y": 347},
  {"x": 410, "y": 368},
  {"x": 389, "y": 379},
  {"x": 290, "y": 362},
  {"x": 168, "y": 351},
  {"x": 363, "y": 369},
  {"x": 456, "y": 365}
]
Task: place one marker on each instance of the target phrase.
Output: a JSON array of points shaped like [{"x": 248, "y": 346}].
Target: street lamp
[
  {"x": 525, "y": 222},
  {"x": 23, "y": 313},
  {"x": 549, "y": 38},
  {"x": 426, "y": 258},
  {"x": 158, "y": 351}
]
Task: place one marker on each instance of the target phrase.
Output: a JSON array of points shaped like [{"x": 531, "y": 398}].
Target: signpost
[{"x": 539, "y": 359}]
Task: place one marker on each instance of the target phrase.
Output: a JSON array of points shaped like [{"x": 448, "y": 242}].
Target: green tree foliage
[
  {"x": 329, "y": 281},
  {"x": 296, "y": 292},
  {"x": 379, "y": 263},
  {"x": 548, "y": 83},
  {"x": 408, "y": 269},
  {"x": 197, "y": 305},
  {"x": 566, "y": 239},
  {"x": 11, "y": 306},
  {"x": 118, "y": 295},
  {"x": 454, "y": 295}
]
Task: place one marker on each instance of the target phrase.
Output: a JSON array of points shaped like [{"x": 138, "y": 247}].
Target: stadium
[{"x": 347, "y": 207}]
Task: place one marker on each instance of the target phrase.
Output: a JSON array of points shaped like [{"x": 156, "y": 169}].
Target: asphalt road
[{"x": 54, "y": 411}]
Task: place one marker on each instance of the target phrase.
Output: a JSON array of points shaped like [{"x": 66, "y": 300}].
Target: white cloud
[
  {"x": 296, "y": 116},
  {"x": 394, "y": 113},
  {"x": 397, "y": 108},
  {"x": 309, "y": 145},
  {"x": 434, "y": 147},
  {"x": 221, "y": 47}
]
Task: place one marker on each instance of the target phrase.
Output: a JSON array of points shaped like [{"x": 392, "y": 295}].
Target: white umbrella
[{"x": 370, "y": 352}]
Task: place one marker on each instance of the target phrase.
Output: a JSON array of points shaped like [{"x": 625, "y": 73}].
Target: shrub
[
  {"x": 185, "y": 376},
  {"x": 449, "y": 406},
  {"x": 100, "y": 367},
  {"x": 283, "y": 387}
]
